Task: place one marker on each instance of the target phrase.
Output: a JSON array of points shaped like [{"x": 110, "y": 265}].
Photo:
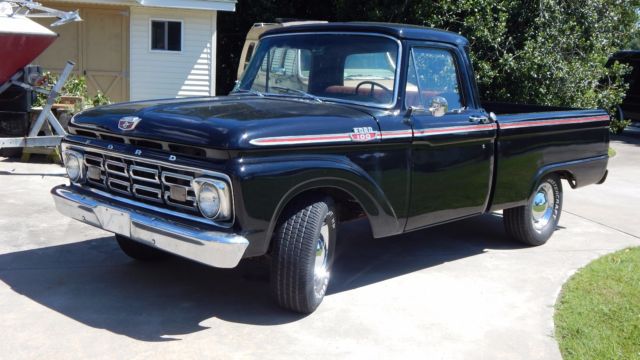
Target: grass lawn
[{"x": 598, "y": 313}]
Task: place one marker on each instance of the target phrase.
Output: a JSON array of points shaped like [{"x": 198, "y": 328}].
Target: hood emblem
[{"x": 128, "y": 123}]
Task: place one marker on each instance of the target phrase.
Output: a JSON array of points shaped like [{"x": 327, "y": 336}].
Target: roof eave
[{"x": 217, "y": 5}]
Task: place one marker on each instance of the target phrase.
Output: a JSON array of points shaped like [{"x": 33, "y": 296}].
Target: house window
[
  {"x": 249, "y": 54},
  {"x": 166, "y": 35}
]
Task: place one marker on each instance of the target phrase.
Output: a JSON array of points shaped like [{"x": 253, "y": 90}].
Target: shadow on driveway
[
  {"x": 94, "y": 283},
  {"x": 631, "y": 135}
]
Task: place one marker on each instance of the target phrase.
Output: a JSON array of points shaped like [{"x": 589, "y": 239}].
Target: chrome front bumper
[{"x": 213, "y": 248}]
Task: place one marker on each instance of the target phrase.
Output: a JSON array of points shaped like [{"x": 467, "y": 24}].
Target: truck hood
[{"x": 231, "y": 122}]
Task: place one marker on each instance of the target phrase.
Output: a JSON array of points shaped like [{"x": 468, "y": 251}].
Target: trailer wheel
[
  {"x": 534, "y": 223},
  {"x": 302, "y": 254},
  {"x": 13, "y": 124},
  {"x": 139, "y": 251}
]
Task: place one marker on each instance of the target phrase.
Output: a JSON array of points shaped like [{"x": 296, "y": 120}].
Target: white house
[{"x": 140, "y": 49}]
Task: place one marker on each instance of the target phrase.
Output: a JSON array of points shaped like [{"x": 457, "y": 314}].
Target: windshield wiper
[
  {"x": 296, "y": 91},
  {"x": 248, "y": 91}
]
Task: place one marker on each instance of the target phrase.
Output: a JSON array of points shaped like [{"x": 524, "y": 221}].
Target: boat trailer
[
  {"x": 46, "y": 115},
  {"x": 23, "y": 40}
]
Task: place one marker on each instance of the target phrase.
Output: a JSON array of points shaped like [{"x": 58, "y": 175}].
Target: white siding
[{"x": 190, "y": 72}]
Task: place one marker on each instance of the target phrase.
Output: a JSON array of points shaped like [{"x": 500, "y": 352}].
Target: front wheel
[
  {"x": 302, "y": 254},
  {"x": 534, "y": 223}
]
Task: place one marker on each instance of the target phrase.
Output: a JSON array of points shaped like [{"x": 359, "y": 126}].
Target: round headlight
[
  {"x": 73, "y": 164},
  {"x": 208, "y": 200}
]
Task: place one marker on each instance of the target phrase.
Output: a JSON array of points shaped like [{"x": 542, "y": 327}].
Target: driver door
[{"x": 452, "y": 147}]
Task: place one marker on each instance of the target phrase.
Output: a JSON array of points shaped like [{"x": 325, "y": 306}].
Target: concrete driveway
[{"x": 459, "y": 291}]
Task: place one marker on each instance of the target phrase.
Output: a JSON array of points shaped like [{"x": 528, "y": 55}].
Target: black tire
[
  {"x": 139, "y": 251},
  {"x": 619, "y": 113},
  {"x": 14, "y": 124},
  {"x": 297, "y": 240},
  {"x": 521, "y": 223}
]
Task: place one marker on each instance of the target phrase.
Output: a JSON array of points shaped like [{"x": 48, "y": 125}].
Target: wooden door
[
  {"x": 105, "y": 52},
  {"x": 99, "y": 46}
]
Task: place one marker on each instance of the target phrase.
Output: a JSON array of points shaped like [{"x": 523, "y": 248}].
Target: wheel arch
[
  {"x": 349, "y": 205},
  {"x": 265, "y": 188},
  {"x": 578, "y": 173}
]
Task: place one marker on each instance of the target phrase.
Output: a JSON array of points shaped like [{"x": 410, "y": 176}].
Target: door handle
[{"x": 482, "y": 119}]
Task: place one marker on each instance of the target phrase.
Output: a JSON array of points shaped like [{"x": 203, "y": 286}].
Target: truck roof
[
  {"x": 626, "y": 55},
  {"x": 400, "y": 31}
]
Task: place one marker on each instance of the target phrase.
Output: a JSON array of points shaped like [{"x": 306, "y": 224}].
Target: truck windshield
[{"x": 354, "y": 68}]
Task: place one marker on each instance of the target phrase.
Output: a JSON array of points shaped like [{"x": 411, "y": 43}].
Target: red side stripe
[
  {"x": 287, "y": 139},
  {"x": 554, "y": 122},
  {"x": 409, "y": 133},
  {"x": 452, "y": 129}
]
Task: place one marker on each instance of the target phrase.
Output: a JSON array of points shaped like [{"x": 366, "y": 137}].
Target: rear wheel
[
  {"x": 139, "y": 251},
  {"x": 302, "y": 255},
  {"x": 534, "y": 223}
]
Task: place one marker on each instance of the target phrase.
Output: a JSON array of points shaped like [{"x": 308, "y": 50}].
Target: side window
[
  {"x": 431, "y": 73},
  {"x": 166, "y": 35},
  {"x": 249, "y": 54}
]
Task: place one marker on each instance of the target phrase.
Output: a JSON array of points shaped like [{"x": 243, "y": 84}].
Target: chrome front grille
[
  {"x": 142, "y": 180},
  {"x": 179, "y": 149}
]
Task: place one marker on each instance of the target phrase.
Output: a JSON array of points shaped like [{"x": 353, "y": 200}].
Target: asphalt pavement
[{"x": 458, "y": 291}]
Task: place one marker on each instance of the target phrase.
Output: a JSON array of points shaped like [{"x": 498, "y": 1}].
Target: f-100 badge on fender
[{"x": 361, "y": 134}]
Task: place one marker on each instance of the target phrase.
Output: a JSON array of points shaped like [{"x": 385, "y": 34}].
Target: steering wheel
[{"x": 373, "y": 85}]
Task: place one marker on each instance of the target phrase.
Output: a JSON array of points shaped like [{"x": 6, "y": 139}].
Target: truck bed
[{"x": 534, "y": 140}]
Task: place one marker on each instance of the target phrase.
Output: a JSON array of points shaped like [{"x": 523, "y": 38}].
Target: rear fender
[{"x": 578, "y": 173}]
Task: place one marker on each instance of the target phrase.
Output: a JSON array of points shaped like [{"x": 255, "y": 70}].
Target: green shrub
[{"x": 75, "y": 86}]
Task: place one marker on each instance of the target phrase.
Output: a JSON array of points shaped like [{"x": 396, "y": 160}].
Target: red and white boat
[{"x": 21, "y": 41}]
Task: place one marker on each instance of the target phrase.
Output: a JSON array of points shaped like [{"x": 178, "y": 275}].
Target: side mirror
[{"x": 439, "y": 106}]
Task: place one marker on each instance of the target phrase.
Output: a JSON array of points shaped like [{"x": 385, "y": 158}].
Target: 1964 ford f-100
[{"x": 328, "y": 123}]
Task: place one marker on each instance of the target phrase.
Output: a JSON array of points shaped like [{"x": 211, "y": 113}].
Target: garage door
[{"x": 99, "y": 46}]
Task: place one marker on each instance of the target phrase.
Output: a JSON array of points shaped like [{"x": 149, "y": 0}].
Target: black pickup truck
[{"x": 329, "y": 122}]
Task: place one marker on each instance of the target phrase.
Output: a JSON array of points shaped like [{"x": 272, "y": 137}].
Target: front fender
[{"x": 264, "y": 187}]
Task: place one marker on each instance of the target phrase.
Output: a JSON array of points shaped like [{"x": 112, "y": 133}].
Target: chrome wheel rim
[
  {"x": 543, "y": 207},
  {"x": 321, "y": 264}
]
